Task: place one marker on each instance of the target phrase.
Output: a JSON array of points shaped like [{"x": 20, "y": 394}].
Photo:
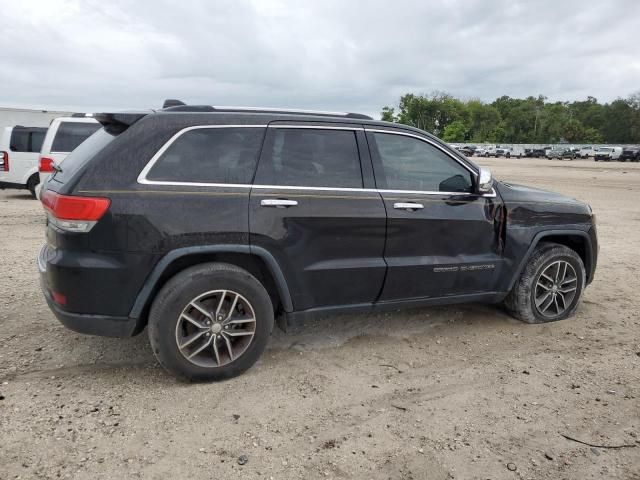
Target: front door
[
  {"x": 442, "y": 239},
  {"x": 310, "y": 209}
]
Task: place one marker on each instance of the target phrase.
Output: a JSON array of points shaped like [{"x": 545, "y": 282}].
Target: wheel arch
[
  {"x": 256, "y": 260},
  {"x": 577, "y": 240}
]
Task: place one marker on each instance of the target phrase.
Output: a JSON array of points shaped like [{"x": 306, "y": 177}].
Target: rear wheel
[
  {"x": 32, "y": 183},
  {"x": 549, "y": 287},
  {"x": 210, "y": 322}
]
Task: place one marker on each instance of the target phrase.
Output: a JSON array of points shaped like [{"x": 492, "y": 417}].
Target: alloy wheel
[
  {"x": 555, "y": 289},
  {"x": 215, "y": 328}
]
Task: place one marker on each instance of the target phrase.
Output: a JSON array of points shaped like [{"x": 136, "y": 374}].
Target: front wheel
[
  {"x": 550, "y": 286},
  {"x": 210, "y": 322}
]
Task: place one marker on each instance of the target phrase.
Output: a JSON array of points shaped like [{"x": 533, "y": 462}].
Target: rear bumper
[{"x": 102, "y": 325}]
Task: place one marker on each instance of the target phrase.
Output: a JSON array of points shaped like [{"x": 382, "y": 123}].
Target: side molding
[
  {"x": 548, "y": 233},
  {"x": 161, "y": 266}
]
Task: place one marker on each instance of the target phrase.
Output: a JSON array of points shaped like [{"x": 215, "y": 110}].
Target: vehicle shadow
[
  {"x": 18, "y": 195},
  {"x": 116, "y": 358}
]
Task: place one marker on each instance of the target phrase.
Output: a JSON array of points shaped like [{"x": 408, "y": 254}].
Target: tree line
[{"x": 516, "y": 120}]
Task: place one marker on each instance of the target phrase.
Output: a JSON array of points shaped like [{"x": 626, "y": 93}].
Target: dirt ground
[{"x": 460, "y": 392}]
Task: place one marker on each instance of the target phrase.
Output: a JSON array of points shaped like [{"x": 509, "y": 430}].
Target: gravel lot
[{"x": 436, "y": 393}]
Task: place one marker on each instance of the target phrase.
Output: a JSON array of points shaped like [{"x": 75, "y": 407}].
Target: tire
[
  {"x": 521, "y": 301},
  {"x": 167, "y": 322},
  {"x": 32, "y": 183}
]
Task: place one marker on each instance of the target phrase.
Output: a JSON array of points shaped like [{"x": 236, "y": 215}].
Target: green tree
[{"x": 456, "y": 131}]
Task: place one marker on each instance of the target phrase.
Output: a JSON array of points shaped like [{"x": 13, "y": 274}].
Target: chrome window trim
[{"x": 142, "y": 178}]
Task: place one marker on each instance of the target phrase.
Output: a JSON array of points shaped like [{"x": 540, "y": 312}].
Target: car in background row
[
  {"x": 19, "y": 151},
  {"x": 561, "y": 152},
  {"x": 606, "y": 154},
  {"x": 467, "y": 150},
  {"x": 586, "y": 152},
  {"x": 63, "y": 136},
  {"x": 630, "y": 153},
  {"x": 536, "y": 152}
]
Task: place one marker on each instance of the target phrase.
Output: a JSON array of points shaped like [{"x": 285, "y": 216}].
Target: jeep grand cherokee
[{"x": 206, "y": 223}]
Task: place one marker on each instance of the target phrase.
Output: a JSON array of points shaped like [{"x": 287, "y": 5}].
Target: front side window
[
  {"x": 311, "y": 158},
  {"x": 210, "y": 155},
  {"x": 72, "y": 134},
  {"x": 411, "y": 164}
]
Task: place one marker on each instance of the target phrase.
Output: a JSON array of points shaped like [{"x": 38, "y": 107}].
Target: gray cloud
[{"x": 334, "y": 54}]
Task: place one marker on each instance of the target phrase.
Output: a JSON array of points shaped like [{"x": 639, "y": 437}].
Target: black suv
[
  {"x": 630, "y": 153},
  {"x": 206, "y": 224}
]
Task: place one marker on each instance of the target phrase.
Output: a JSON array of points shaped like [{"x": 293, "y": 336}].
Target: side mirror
[{"x": 485, "y": 181}]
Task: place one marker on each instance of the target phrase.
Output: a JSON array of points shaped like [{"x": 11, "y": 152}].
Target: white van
[
  {"x": 606, "y": 154},
  {"x": 63, "y": 136},
  {"x": 19, "y": 152}
]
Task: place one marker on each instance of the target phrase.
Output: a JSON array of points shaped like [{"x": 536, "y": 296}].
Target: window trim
[{"x": 142, "y": 177}]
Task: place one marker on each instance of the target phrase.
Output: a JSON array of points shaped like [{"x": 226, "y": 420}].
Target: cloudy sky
[{"x": 352, "y": 55}]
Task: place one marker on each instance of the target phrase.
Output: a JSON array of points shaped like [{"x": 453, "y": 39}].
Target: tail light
[
  {"x": 4, "y": 161},
  {"x": 74, "y": 214},
  {"x": 45, "y": 165}
]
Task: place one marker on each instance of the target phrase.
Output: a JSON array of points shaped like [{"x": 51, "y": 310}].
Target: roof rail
[{"x": 179, "y": 106}]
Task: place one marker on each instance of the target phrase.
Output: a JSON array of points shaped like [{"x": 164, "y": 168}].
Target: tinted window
[
  {"x": 311, "y": 158},
  {"x": 412, "y": 164},
  {"x": 19, "y": 140},
  {"x": 27, "y": 139},
  {"x": 72, "y": 134},
  {"x": 81, "y": 155},
  {"x": 210, "y": 155}
]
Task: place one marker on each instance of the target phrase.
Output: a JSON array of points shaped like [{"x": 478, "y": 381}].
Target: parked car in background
[
  {"x": 63, "y": 136},
  {"x": 630, "y": 153},
  {"x": 210, "y": 223},
  {"x": 502, "y": 152},
  {"x": 561, "y": 153},
  {"x": 480, "y": 151},
  {"x": 606, "y": 154},
  {"x": 538, "y": 152},
  {"x": 19, "y": 152},
  {"x": 586, "y": 152},
  {"x": 467, "y": 150}
]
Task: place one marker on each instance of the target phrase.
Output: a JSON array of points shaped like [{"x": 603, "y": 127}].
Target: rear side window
[
  {"x": 27, "y": 139},
  {"x": 81, "y": 155},
  {"x": 311, "y": 158},
  {"x": 71, "y": 134},
  {"x": 210, "y": 155}
]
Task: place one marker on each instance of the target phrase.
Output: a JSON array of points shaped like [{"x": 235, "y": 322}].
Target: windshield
[{"x": 605, "y": 149}]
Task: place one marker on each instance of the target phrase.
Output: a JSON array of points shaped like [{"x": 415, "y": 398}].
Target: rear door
[
  {"x": 314, "y": 208},
  {"x": 442, "y": 238}
]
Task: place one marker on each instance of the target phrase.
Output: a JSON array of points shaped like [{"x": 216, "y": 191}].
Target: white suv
[
  {"x": 19, "y": 151},
  {"x": 63, "y": 136}
]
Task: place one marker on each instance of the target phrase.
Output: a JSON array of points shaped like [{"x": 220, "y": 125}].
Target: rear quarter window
[
  {"x": 83, "y": 154},
  {"x": 210, "y": 155},
  {"x": 71, "y": 134}
]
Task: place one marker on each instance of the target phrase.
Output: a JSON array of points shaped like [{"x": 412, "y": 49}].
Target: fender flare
[
  {"x": 547, "y": 233},
  {"x": 153, "y": 278}
]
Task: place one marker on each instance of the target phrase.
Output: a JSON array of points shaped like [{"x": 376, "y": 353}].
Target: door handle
[
  {"x": 407, "y": 206},
  {"x": 278, "y": 202}
]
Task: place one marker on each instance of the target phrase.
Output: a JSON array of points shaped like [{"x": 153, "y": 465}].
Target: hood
[
  {"x": 527, "y": 206},
  {"x": 511, "y": 192}
]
